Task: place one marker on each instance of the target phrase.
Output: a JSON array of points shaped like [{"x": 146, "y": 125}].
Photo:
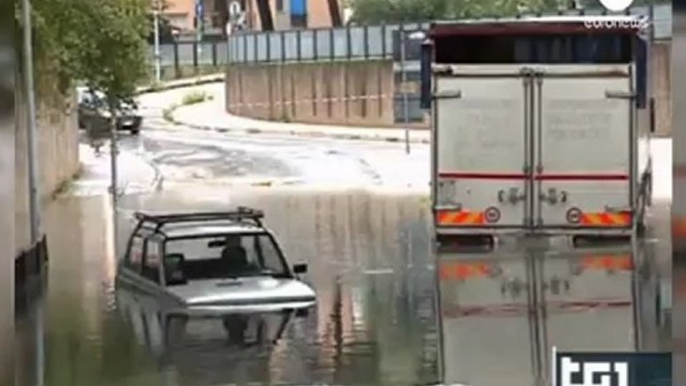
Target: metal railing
[{"x": 367, "y": 42}]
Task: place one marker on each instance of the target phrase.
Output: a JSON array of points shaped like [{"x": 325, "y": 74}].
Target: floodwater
[
  {"x": 376, "y": 320},
  {"x": 368, "y": 261}
]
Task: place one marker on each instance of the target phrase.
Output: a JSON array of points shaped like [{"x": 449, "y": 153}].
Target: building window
[
  {"x": 298, "y": 13},
  {"x": 279, "y": 5}
]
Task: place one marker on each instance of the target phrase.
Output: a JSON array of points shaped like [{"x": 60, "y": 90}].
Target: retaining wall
[
  {"x": 58, "y": 154},
  {"x": 662, "y": 86},
  {"x": 360, "y": 93},
  {"x": 355, "y": 93},
  {"x": 7, "y": 249}
]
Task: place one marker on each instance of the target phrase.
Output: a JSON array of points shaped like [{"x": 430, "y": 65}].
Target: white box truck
[{"x": 539, "y": 125}]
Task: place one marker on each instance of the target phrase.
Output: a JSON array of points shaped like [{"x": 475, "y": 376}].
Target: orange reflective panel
[
  {"x": 459, "y": 270},
  {"x": 608, "y": 262}
]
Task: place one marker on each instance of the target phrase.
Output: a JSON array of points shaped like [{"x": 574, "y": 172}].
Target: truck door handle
[
  {"x": 512, "y": 196},
  {"x": 553, "y": 197}
]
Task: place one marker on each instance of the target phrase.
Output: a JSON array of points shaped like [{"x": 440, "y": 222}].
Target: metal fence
[
  {"x": 178, "y": 58},
  {"x": 370, "y": 42},
  {"x": 367, "y": 42}
]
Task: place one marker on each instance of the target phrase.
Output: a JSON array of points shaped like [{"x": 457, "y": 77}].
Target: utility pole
[
  {"x": 31, "y": 132},
  {"x": 158, "y": 57},
  {"x": 200, "y": 25},
  {"x": 403, "y": 74},
  {"x": 114, "y": 189}
]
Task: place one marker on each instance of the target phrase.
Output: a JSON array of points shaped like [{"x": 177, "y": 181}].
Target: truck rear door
[
  {"x": 480, "y": 147},
  {"x": 583, "y": 146}
]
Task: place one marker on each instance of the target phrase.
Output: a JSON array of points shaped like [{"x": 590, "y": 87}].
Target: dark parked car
[{"x": 94, "y": 115}]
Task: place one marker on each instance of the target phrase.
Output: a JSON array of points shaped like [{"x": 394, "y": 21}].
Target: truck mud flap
[{"x": 465, "y": 243}]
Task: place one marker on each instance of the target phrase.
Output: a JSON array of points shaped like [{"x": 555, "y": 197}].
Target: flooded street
[
  {"x": 376, "y": 319},
  {"x": 386, "y": 313},
  {"x": 374, "y": 322}
]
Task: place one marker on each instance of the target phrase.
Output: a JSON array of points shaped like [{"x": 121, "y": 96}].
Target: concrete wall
[
  {"x": 352, "y": 93},
  {"x": 661, "y": 84},
  {"x": 6, "y": 235},
  {"x": 58, "y": 154},
  {"x": 268, "y": 91}
]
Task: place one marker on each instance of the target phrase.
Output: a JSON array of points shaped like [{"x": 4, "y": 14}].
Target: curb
[
  {"x": 181, "y": 84},
  {"x": 307, "y": 134}
]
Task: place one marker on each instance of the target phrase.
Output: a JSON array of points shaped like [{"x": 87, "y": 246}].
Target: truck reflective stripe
[
  {"x": 606, "y": 219},
  {"x": 453, "y": 270},
  {"x": 609, "y": 262},
  {"x": 460, "y": 218}
]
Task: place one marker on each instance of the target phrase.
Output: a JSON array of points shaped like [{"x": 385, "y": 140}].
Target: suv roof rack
[{"x": 242, "y": 213}]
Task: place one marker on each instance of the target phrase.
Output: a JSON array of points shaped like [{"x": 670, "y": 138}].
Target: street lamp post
[{"x": 403, "y": 75}]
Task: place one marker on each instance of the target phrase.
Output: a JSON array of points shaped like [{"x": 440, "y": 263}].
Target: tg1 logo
[
  {"x": 611, "y": 368},
  {"x": 592, "y": 373}
]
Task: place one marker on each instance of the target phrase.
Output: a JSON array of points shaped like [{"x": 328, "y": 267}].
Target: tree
[
  {"x": 99, "y": 42},
  {"x": 112, "y": 59},
  {"x": 166, "y": 28}
]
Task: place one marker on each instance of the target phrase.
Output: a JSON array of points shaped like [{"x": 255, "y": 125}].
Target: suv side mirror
[{"x": 299, "y": 268}]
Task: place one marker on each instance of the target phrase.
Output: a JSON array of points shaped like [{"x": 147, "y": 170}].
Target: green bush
[{"x": 194, "y": 97}]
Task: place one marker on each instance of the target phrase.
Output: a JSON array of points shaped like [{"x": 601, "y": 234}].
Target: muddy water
[
  {"x": 368, "y": 258},
  {"x": 375, "y": 321}
]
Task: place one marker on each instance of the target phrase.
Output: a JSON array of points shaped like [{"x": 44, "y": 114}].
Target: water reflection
[
  {"x": 374, "y": 322},
  {"x": 503, "y": 312}
]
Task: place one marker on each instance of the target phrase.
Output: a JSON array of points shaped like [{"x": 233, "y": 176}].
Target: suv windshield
[{"x": 223, "y": 257}]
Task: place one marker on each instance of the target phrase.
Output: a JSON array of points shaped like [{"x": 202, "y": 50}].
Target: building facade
[{"x": 285, "y": 14}]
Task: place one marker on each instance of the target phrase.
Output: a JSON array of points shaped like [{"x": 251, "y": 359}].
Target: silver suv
[{"x": 212, "y": 263}]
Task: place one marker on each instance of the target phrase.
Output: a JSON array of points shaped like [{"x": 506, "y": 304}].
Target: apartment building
[
  {"x": 294, "y": 14},
  {"x": 285, "y": 14}
]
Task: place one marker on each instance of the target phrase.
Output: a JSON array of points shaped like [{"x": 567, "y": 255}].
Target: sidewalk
[
  {"x": 135, "y": 173},
  {"x": 211, "y": 115}
]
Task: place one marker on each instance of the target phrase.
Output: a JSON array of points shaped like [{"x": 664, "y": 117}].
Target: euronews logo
[{"x": 637, "y": 23}]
